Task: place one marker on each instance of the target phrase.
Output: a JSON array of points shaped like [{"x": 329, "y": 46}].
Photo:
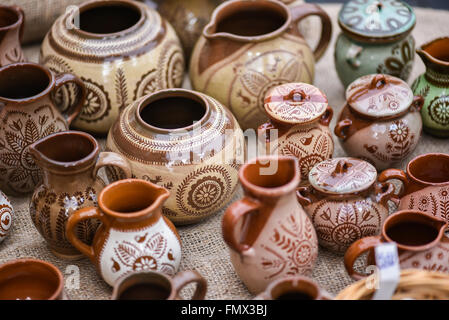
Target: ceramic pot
[
  {"x": 6, "y": 216},
  {"x": 12, "y": 23},
  {"x": 70, "y": 162},
  {"x": 293, "y": 288},
  {"x": 268, "y": 233},
  {"x": 251, "y": 46},
  {"x": 301, "y": 115},
  {"x": 31, "y": 279},
  {"x": 433, "y": 85},
  {"x": 197, "y": 163},
  {"x": 380, "y": 121},
  {"x": 151, "y": 285},
  {"x": 376, "y": 38},
  {"x": 345, "y": 202},
  {"x": 133, "y": 236},
  {"x": 28, "y": 113},
  {"x": 425, "y": 184},
  {"x": 122, "y": 51},
  {"x": 419, "y": 237}
]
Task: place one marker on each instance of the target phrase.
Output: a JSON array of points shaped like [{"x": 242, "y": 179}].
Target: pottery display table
[{"x": 203, "y": 247}]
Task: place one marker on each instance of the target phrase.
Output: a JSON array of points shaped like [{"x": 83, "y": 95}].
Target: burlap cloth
[{"x": 203, "y": 247}]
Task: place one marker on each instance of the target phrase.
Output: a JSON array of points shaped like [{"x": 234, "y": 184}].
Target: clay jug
[{"x": 12, "y": 22}]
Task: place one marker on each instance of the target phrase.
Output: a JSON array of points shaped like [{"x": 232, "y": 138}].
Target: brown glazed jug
[
  {"x": 27, "y": 114},
  {"x": 293, "y": 288},
  {"x": 12, "y": 22},
  {"x": 268, "y": 233},
  {"x": 70, "y": 162}
]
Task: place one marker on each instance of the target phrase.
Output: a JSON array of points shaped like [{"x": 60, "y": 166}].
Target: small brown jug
[
  {"x": 12, "y": 22},
  {"x": 293, "y": 288}
]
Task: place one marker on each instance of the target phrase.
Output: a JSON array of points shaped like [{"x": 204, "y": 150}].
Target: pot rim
[
  {"x": 17, "y": 13},
  {"x": 296, "y": 280},
  {"x": 427, "y": 183}
]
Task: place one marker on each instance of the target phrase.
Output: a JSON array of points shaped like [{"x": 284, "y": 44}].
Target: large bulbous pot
[
  {"x": 186, "y": 142},
  {"x": 251, "y": 46},
  {"x": 121, "y": 49}
]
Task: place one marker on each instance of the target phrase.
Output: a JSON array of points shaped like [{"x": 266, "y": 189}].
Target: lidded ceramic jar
[
  {"x": 197, "y": 163},
  {"x": 375, "y": 38},
  {"x": 381, "y": 121},
  {"x": 301, "y": 115},
  {"x": 122, "y": 51},
  {"x": 345, "y": 202}
]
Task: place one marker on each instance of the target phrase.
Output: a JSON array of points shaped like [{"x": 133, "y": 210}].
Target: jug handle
[
  {"x": 184, "y": 278},
  {"x": 307, "y": 9},
  {"x": 389, "y": 194},
  {"x": 326, "y": 118},
  {"x": 395, "y": 174},
  {"x": 72, "y": 222},
  {"x": 355, "y": 250},
  {"x": 74, "y": 110},
  {"x": 113, "y": 159},
  {"x": 22, "y": 27},
  {"x": 301, "y": 195},
  {"x": 232, "y": 216},
  {"x": 341, "y": 127},
  {"x": 418, "y": 103}
]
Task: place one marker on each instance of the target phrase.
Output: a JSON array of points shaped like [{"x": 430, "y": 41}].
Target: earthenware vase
[
  {"x": 268, "y": 233},
  {"x": 151, "y": 285},
  {"x": 122, "y": 50},
  {"x": 6, "y": 216},
  {"x": 293, "y": 288},
  {"x": 12, "y": 23},
  {"x": 376, "y": 38},
  {"x": 133, "y": 236},
  {"x": 28, "y": 113},
  {"x": 433, "y": 85},
  {"x": 419, "y": 237},
  {"x": 250, "y": 47},
  {"x": 345, "y": 202},
  {"x": 70, "y": 162},
  {"x": 186, "y": 142},
  {"x": 301, "y": 115},
  {"x": 425, "y": 184},
  {"x": 380, "y": 121},
  {"x": 31, "y": 279}
]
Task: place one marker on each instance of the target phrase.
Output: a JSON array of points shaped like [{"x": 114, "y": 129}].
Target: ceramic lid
[
  {"x": 295, "y": 103},
  {"x": 342, "y": 176},
  {"x": 376, "y": 18},
  {"x": 379, "y": 96}
]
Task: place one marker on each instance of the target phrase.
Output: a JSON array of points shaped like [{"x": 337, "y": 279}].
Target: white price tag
[{"x": 389, "y": 272}]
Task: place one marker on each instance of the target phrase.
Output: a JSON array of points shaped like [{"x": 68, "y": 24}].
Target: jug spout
[{"x": 435, "y": 54}]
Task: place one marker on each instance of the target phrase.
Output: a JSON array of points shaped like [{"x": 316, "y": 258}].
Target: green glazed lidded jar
[{"x": 376, "y": 38}]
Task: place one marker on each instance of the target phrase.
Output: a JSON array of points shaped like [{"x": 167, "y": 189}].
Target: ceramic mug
[
  {"x": 293, "y": 288},
  {"x": 152, "y": 285}
]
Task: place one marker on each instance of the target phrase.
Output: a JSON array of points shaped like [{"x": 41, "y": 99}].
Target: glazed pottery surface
[
  {"x": 419, "y": 238},
  {"x": 301, "y": 115},
  {"x": 6, "y": 216},
  {"x": 380, "y": 122},
  {"x": 28, "y": 113},
  {"x": 151, "y": 285},
  {"x": 375, "y": 39},
  {"x": 122, "y": 51},
  {"x": 251, "y": 46},
  {"x": 198, "y": 163},
  {"x": 70, "y": 162},
  {"x": 133, "y": 236},
  {"x": 31, "y": 279},
  {"x": 268, "y": 233},
  {"x": 12, "y": 22},
  {"x": 293, "y": 288},
  {"x": 345, "y": 202},
  {"x": 425, "y": 184},
  {"x": 433, "y": 85}
]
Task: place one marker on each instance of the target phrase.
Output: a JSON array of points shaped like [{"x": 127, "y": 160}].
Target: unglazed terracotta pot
[
  {"x": 268, "y": 233},
  {"x": 28, "y": 113},
  {"x": 12, "y": 22},
  {"x": 380, "y": 122},
  {"x": 251, "y": 46},
  {"x": 31, "y": 279},
  {"x": 433, "y": 85},
  {"x": 425, "y": 184},
  {"x": 301, "y": 115},
  {"x": 197, "y": 163},
  {"x": 133, "y": 236},
  {"x": 419, "y": 237},
  {"x": 122, "y": 51},
  {"x": 345, "y": 202},
  {"x": 376, "y": 38},
  {"x": 70, "y": 162},
  {"x": 151, "y": 285},
  {"x": 6, "y": 216},
  {"x": 293, "y": 288}
]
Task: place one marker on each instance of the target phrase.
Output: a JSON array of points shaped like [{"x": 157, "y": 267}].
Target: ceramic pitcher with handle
[{"x": 12, "y": 23}]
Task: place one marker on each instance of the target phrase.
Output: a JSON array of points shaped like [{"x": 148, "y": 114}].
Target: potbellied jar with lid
[
  {"x": 381, "y": 121},
  {"x": 376, "y": 38}
]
